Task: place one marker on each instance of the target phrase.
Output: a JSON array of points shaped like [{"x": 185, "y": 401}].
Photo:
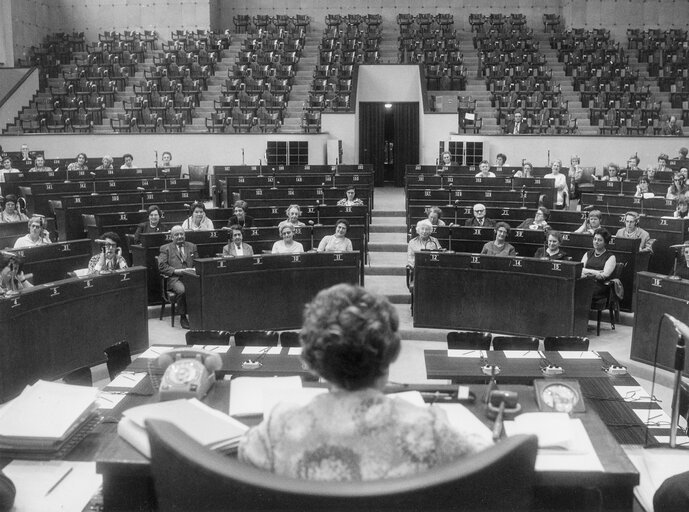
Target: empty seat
[
  {"x": 289, "y": 339},
  {"x": 515, "y": 343},
  {"x": 208, "y": 337},
  {"x": 256, "y": 338},
  {"x": 469, "y": 340},
  {"x": 580, "y": 343}
]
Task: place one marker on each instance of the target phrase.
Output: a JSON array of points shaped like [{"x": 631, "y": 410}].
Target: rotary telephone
[{"x": 189, "y": 373}]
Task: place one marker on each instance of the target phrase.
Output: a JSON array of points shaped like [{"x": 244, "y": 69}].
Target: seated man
[
  {"x": 423, "y": 242},
  {"x": 632, "y": 230},
  {"x": 175, "y": 260},
  {"x": 479, "y": 219}
]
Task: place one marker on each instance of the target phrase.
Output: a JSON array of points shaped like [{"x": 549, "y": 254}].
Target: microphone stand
[
  {"x": 337, "y": 165},
  {"x": 94, "y": 193},
  {"x": 155, "y": 162},
  {"x": 455, "y": 205},
  {"x": 323, "y": 194},
  {"x": 275, "y": 186},
  {"x": 242, "y": 156},
  {"x": 67, "y": 175},
  {"x": 260, "y": 168},
  {"x": 621, "y": 186},
  {"x": 449, "y": 194},
  {"x": 440, "y": 173},
  {"x": 318, "y": 213},
  {"x": 523, "y": 194},
  {"x": 311, "y": 231},
  {"x": 165, "y": 173},
  {"x": 679, "y": 367},
  {"x": 333, "y": 181},
  {"x": 142, "y": 190}
]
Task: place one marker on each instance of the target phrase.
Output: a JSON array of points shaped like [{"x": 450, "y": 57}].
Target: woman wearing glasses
[
  {"x": 38, "y": 235},
  {"x": 110, "y": 257},
  {"x": 500, "y": 246}
]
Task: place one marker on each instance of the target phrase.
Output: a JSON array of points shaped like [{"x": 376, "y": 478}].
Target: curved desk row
[
  {"x": 501, "y": 294},
  {"x": 52, "y": 329},
  {"x": 263, "y": 292}
]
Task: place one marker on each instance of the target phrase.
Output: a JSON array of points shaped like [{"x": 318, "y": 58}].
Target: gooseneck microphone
[{"x": 680, "y": 352}]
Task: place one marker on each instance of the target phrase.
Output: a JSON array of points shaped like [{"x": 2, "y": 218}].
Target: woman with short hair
[
  {"x": 292, "y": 212},
  {"x": 500, "y": 246},
  {"x": 337, "y": 242},
  {"x": 37, "y": 235},
  {"x": 152, "y": 225},
  {"x": 110, "y": 258},
  {"x": 552, "y": 249},
  {"x": 198, "y": 220},
  {"x": 355, "y": 431},
  {"x": 599, "y": 263},
  {"x": 287, "y": 245}
]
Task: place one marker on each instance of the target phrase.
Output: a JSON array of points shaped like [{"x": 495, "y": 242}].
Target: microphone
[
  {"x": 680, "y": 327},
  {"x": 141, "y": 189},
  {"x": 100, "y": 241}
]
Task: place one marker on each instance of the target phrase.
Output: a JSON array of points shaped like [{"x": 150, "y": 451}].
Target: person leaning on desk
[{"x": 354, "y": 432}]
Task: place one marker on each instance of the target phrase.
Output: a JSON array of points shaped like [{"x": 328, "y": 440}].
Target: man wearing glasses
[
  {"x": 38, "y": 235},
  {"x": 175, "y": 260},
  {"x": 479, "y": 219}
]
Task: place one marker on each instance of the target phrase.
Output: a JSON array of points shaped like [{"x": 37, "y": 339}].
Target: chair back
[
  {"x": 222, "y": 483},
  {"x": 515, "y": 343},
  {"x": 289, "y": 339},
  {"x": 117, "y": 358},
  {"x": 580, "y": 343},
  {"x": 256, "y": 338},
  {"x": 208, "y": 337},
  {"x": 469, "y": 340},
  {"x": 198, "y": 177}
]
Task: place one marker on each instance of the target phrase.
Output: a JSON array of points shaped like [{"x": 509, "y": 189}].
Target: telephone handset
[{"x": 189, "y": 373}]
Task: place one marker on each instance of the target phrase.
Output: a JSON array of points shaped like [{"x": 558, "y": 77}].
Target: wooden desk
[
  {"x": 52, "y": 262},
  {"x": 657, "y": 294},
  {"x": 263, "y": 292},
  {"x": 44, "y": 333},
  {"x": 511, "y": 295}
]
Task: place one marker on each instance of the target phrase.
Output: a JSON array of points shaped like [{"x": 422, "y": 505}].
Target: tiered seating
[
  {"x": 258, "y": 86},
  {"x": 617, "y": 101},
  {"x": 517, "y": 76},
  {"x": 432, "y": 41}
]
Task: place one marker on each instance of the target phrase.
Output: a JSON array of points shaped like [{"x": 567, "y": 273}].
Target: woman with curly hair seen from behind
[{"x": 354, "y": 432}]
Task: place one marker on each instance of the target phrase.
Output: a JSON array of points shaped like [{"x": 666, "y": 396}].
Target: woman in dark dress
[
  {"x": 152, "y": 225},
  {"x": 240, "y": 218},
  {"x": 599, "y": 263},
  {"x": 552, "y": 251}
]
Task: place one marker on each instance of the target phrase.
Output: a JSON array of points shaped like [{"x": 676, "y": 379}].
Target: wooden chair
[
  {"x": 198, "y": 179},
  {"x": 167, "y": 296},
  {"x": 208, "y": 337},
  {"x": 469, "y": 340},
  {"x": 576, "y": 343},
  {"x": 117, "y": 358},
  {"x": 289, "y": 339},
  {"x": 256, "y": 338},
  {"x": 219, "y": 481},
  {"x": 610, "y": 301},
  {"x": 516, "y": 343}
]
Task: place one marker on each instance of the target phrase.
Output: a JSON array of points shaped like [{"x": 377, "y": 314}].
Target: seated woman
[
  {"x": 599, "y": 263},
  {"x": 110, "y": 258},
  {"x": 38, "y": 235},
  {"x": 423, "y": 242},
  {"x": 287, "y": 245},
  {"x": 350, "y": 199},
  {"x": 613, "y": 173},
  {"x": 240, "y": 218},
  {"x": 106, "y": 164},
  {"x": 293, "y": 212},
  {"x": 12, "y": 277},
  {"x": 484, "y": 170},
  {"x": 198, "y": 220},
  {"x": 642, "y": 188},
  {"x": 552, "y": 251},
  {"x": 337, "y": 242},
  {"x": 12, "y": 213},
  {"x": 236, "y": 245},
  {"x": 500, "y": 247},
  {"x": 678, "y": 187},
  {"x": 447, "y": 160},
  {"x": 6, "y": 169},
  {"x": 434, "y": 215},
  {"x": 354, "y": 431},
  {"x": 525, "y": 172},
  {"x": 591, "y": 224},
  {"x": 539, "y": 220},
  {"x": 682, "y": 211},
  {"x": 79, "y": 164},
  {"x": 153, "y": 225},
  {"x": 167, "y": 159}
]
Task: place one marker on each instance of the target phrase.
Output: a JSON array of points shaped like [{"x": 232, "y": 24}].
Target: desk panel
[
  {"x": 53, "y": 262},
  {"x": 263, "y": 292},
  {"x": 469, "y": 291},
  {"x": 51, "y": 329}
]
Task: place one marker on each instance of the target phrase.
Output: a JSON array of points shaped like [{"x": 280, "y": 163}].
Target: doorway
[{"x": 389, "y": 139}]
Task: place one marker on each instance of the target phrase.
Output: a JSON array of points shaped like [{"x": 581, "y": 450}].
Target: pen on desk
[{"x": 60, "y": 480}]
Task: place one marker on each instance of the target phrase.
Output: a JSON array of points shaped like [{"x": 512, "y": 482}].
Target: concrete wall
[{"x": 21, "y": 96}]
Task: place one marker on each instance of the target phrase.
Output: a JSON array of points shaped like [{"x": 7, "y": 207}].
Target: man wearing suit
[
  {"x": 479, "y": 219},
  {"x": 517, "y": 126},
  {"x": 175, "y": 260},
  {"x": 236, "y": 247}
]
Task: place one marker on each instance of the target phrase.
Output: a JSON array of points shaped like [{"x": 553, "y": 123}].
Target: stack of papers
[
  {"x": 211, "y": 428},
  {"x": 44, "y": 417}
]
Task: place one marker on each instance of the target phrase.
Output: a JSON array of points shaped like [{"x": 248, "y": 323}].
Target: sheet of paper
[
  {"x": 654, "y": 418},
  {"x": 154, "y": 352},
  {"x": 33, "y": 479},
  {"x": 294, "y": 351},
  {"x": 575, "y": 354},
  {"x": 477, "y": 354},
  {"x": 109, "y": 400},
  {"x": 246, "y": 393},
  {"x": 580, "y": 457},
  {"x": 633, "y": 394},
  {"x": 522, "y": 354},
  {"x": 273, "y": 351},
  {"x": 218, "y": 349},
  {"x": 654, "y": 467},
  {"x": 126, "y": 380},
  {"x": 463, "y": 419}
]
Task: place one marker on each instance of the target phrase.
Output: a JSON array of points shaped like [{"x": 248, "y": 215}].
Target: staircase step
[{"x": 393, "y": 287}]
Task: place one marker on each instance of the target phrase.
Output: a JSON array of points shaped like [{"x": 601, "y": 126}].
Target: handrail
[{"x": 17, "y": 85}]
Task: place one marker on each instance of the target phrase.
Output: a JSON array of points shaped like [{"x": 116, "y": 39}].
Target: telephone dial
[{"x": 189, "y": 373}]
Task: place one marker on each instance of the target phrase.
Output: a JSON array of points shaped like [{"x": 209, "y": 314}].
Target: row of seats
[{"x": 477, "y": 340}]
